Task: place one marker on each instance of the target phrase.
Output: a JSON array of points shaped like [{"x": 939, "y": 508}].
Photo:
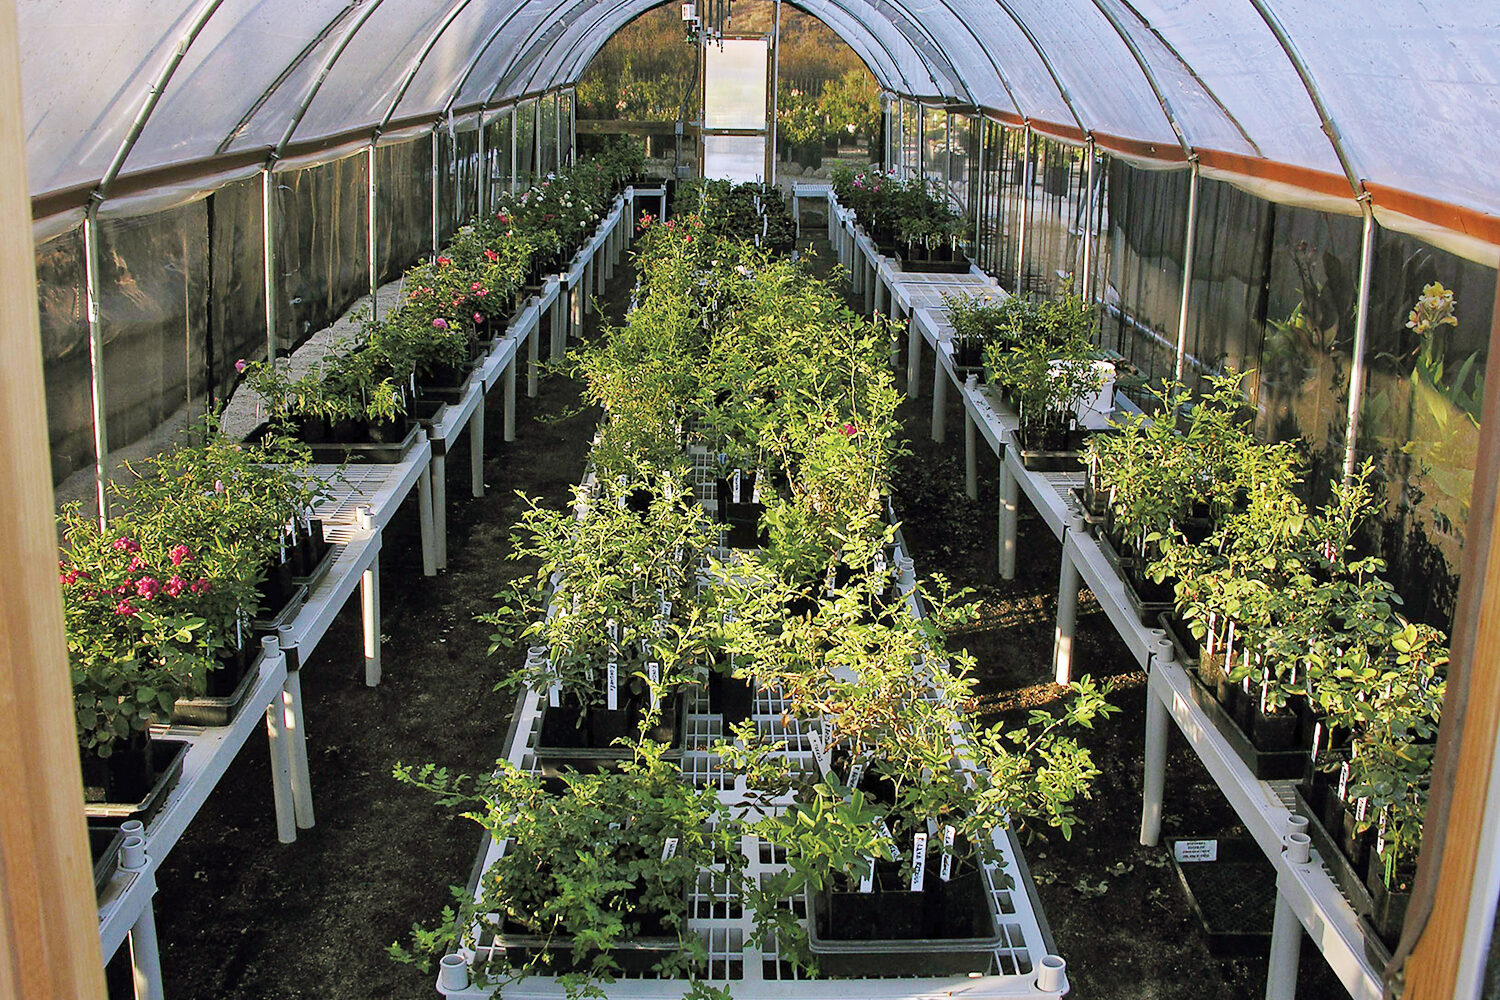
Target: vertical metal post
[
  {"x": 1361, "y": 336},
  {"x": 1089, "y": 225},
  {"x": 1025, "y": 195},
  {"x": 978, "y": 210},
  {"x": 268, "y": 256},
  {"x": 435, "y": 194},
  {"x": 482, "y": 182},
  {"x": 374, "y": 238},
  {"x": 775, "y": 92},
  {"x": 91, "y": 294},
  {"x": 1187, "y": 273},
  {"x": 515, "y": 112}
]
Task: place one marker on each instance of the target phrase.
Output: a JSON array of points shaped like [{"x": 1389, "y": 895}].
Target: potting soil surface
[{"x": 243, "y": 917}]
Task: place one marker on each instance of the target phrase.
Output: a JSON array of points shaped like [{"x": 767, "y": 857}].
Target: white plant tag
[
  {"x": 1195, "y": 850},
  {"x": 653, "y": 671},
  {"x": 885, "y": 835},
  {"x": 622, "y": 481},
  {"x": 918, "y": 861},
  {"x": 820, "y": 751},
  {"x": 1344, "y": 782},
  {"x": 856, "y": 772},
  {"x": 1380, "y": 832},
  {"x": 554, "y": 695},
  {"x": 1360, "y": 808},
  {"x": 669, "y": 849},
  {"x": 666, "y": 609},
  {"x": 760, "y": 475},
  {"x": 614, "y": 631},
  {"x": 734, "y": 486},
  {"x": 867, "y": 880},
  {"x": 949, "y": 835},
  {"x": 612, "y": 686}
]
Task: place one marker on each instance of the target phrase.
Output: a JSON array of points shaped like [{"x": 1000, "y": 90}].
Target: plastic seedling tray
[
  {"x": 209, "y": 711},
  {"x": 311, "y": 580},
  {"x": 1231, "y": 888},
  {"x": 269, "y": 623},
  {"x": 552, "y": 759},
  {"x": 1266, "y": 765},
  {"x": 144, "y": 809},
  {"x": 1184, "y": 646},
  {"x": 1349, "y": 881},
  {"x": 378, "y": 452}
]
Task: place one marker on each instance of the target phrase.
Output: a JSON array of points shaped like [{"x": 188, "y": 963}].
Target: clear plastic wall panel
[
  {"x": 368, "y": 75},
  {"x": 236, "y": 284},
  {"x": 497, "y": 146},
  {"x": 1233, "y": 52},
  {"x": 963, "y": 169},
  {"x": 1437, "y": 64},
  {"x": 1419, "y": 421},
  {"x": 154, "y": 312},
  {"x": 447, "y": 182},
  {"x": 322, "y": 246},
  {"x": 525, "y": 142},
  {"x": 547, "y": 143},
  {"x": 1054, "y": 247},
  {"x": 65, "y": 357},
  {"x": 1096, "y": 219},
  {"x": 911, "y": 137},
  {"x": 403, "y": 214},
  {"x": 735, "y": 91},
  {"x": 466, "y": 176},
  {"x": 1143, "y": 291},
  {"x": 738, "y": 158},
  {"x": 988, "y": 251},
  {"x": 1013, "y": 195},
  {"x": 85, "y": 68},
  {"x": 1108, "y": 89},
  {"x": 935, "y": 145},
  {"x": 239, "y": 55}
]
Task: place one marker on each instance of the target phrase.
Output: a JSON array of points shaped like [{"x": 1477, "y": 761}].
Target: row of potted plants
[
  {"x": 752, "y": 211},
  {"x": 361, "y": 398},
  {"x": 910, "y": 219},
  {"x": 1299, "y": 644},
  {"x": 739, "y": 379},
  {"x": 162, "y": 606}
]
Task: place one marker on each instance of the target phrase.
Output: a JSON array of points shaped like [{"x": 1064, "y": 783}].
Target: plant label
[
  {"x": 946, "y": 871},
  {"x": 821, "y": 754},
  {"x": 885, "y": 835},
  {"x": 1188, "y": 851},
  {"x": 1380, "y": 832},
  {"x": 1360, "y": 808},
  {"x": 867, "y": 880},
  {"x": 669, "y": 849},
  {"x": 653, "y": 671},
  {"x": 918, "y": 861},
  {"x": 760, "y": 475},
  {"x": 666, "y": 608},
  {"x": 554, "y": 694},
  {"x": 856, "y": 772},
  {"x": 1344, "y": 782},
  {"x": 614, "y": 631},
  {"x": 612, "y": 686},
  {"x": 734, "y": 486}
]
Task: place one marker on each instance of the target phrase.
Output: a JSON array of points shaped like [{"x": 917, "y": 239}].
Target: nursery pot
[
  {"x": 1389, "y": 906},
  {"x": 730, "y": 696}
]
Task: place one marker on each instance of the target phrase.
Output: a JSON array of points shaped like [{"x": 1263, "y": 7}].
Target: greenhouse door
[{"x": 736, "y": 75}]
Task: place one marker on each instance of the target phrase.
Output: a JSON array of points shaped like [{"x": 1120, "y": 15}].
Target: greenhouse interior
[{"x": 575, "y": 499}]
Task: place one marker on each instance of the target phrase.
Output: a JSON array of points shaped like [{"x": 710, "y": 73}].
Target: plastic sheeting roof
[{"x": 1409, "y": 87}]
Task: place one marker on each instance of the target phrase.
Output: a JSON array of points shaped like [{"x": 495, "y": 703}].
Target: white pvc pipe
[
  {"x": 453, "y": 973},
  {"x": 1051, "y": 974},
  {"x": 1286, "y": 951},
  {"x": 1298, "y": 848},
  {"x": 133, "y": 853}
]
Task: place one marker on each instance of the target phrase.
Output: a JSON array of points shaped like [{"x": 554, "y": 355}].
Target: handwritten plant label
[
  {"x": 946, "y": 871},
  {"x": 760, "y": 475},
  {"x": 734, "y": 486},
  {"x": 653, "y": 671},
  {"x": 867, "y": 880},
  {"x": 885, "y": 835},
  {"x": 856, "y": 772},
  {"x": 669, "y": 849},
  {"x": 821, "y": 754},
  {"x": 612, "y": 686},
  {"x": 918, "y": 861}
]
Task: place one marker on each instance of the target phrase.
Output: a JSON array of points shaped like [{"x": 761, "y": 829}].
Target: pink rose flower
[
  {"x": 241, "y": 365},
  {"x": 440, "y": 323},
  {"x": 478, "y": 317},
  {"x": 126, "y": 609},
  {"x": 136, "y": 562},
  {"x": 200, "y": 586},
  {"x": 180, "y": 554},
  {"x": 126, "y": 545},
  {"x": 850, "y": 430},
  {"x": 147, "y": 587},
  {"x": 175, "y": 585}
]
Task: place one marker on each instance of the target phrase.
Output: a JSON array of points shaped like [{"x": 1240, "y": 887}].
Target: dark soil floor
[{"x": 242, "y": 917}]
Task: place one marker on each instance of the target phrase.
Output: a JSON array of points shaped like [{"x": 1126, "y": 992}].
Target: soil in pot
[
  {"x": 570, "y": 726},
  {"x": 276, "y": 589}
]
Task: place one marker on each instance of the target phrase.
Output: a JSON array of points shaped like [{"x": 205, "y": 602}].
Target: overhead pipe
[
  {"x": 317, "y": 84},
  {"x": 1189, "y": 246}
]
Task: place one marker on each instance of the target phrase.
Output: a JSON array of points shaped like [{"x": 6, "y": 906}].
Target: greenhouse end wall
[{"x": 182, "y": 292}]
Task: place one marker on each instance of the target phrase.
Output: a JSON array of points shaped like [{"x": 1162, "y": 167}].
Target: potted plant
[{"x": 1049, "y": 385}]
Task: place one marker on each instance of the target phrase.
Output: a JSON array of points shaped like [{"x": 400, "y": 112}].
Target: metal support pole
[
  {"x": 978, "y": 209},
  {"x": 1089, "y": 227},
  {"x": 96, "y": 358},
  {"x": 1009, "y": 501},
  {"x": 1286, "y": 949},
  {"x": 374, "y": 237},
  {"x": 1187, "y": 273},
  {"x": 1155, "y": 776},
  {"x": 515, "y": 112},
  {"x": 1361, "y": 336},
  {"x": 435, "y": 193},
  {"x": 775, "y": 88},
  {"x": 1025, "y": 194},
  {"x": 268, "y": 256},
  {"x": 482, "y": 182}
]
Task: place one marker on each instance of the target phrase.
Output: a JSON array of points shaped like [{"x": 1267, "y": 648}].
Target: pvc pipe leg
[
  {"x": 369, "y": 608},
  {"x": 560, "y": 308},
  {"x": 1157, "y": 723},
  {"x": 971, "y": 457},
  {"x": 145, "y": 956},
  {"x": 533, "y": 358},
  {"x": 913, "y": 360},
  {"x": 476, "y": 451},
  {"x": 296, "y": 728},
  {"x": 1067, "y": 621},
  {"x": 872, "y": 278},
  {"x": 510, "y": 400},
  {"x": 281, "y": 773},
  {"x": 440, "y": 509},
  {"x": 424, "y": 515},
  {"x": 1009, "y": 498},
  {"x": 880, "y": 292},
  {"x": 1286, "y": 951},
  {"x": 939, "y": 402}
]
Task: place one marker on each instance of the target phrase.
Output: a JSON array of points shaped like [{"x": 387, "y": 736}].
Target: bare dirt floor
[{"x": 243, "y": 917}]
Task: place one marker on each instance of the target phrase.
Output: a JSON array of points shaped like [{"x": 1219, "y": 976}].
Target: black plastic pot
[
  {"x": 133, "y": 782},
  {"x": 1273, "y": 733},
  {"x": 730, "y": 696},
  {"x": 1388, "y": 907}
]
